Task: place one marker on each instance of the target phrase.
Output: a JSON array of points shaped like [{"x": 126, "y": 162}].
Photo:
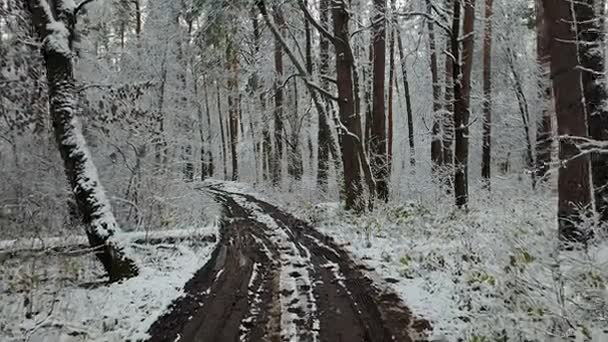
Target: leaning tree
[{"x": 55, "y": 22}]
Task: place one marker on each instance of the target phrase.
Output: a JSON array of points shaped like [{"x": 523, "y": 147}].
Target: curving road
[{"x": 272, "y": 277}]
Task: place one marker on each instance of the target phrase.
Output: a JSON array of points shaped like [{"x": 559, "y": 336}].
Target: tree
[
  {"x": 378, "y": 133},
  {"x": 436, "y": 144},
  {"x": 234, "y": 101},
  {"x": 351, "y": 145},
  {"x": 462, "y": 93},
  {"x": 55, "y": 23},
  {"x": 277, "y": 164},
  {"x": 544, "y": 127},
  {"x": 486, "y": 159},
  {"x": 408, "y": 100},
  {"x": 574, "y": 196},
  {"x": 391, "y": 85},
  {"x": 325, "y": 141},
  {"x": 592, "y": 58}
]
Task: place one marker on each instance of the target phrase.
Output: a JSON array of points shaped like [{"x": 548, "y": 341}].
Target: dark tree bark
[
  {"x": 391, "y": 85},
  {"x": 295, "y": 167},
  {"x": 408, "y": 100},
  {"x": 233, "y": 107},
  {"x": 544, "y": 129},
  {"x": 210, "y": 167},
  {"x": 448, "y": 118},
  {"x": 486, "y": 157},
  {"x": 95, "y": 210},
  {"x": 222, "y": 131},
  {"x": 309, "y": 69},
  {"x": 278, "y": 103},
  {"x": 351, "y": 139},
  {"x": 378, "y": 139},
  {"x": 592, "y": 57},
  {"x": 436, "y": 144},
  {"x": 462, "y": 90},
  {"x": 573, "y": 178},
  {"x": 201, "y": 129}
]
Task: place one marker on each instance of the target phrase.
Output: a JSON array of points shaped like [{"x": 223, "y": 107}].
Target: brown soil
[{"x": 237, "y": 295}]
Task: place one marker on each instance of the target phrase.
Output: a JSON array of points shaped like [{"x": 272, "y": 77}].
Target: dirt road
[{"x": 273, "y": 278}]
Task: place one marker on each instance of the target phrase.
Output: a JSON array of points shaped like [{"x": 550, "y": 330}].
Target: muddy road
[{"x": 272, "y": 277}]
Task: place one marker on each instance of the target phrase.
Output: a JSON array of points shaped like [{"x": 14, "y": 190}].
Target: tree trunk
[
  {"x": 95, "y": 210},
  {"x": 408, "y": 101},
  {"x": 573, "y": 178},
  {"x": 201, "y": 129},
  {"x": 266, "y": 144},
  {"x": 294, "y": 165},
  {"x": 448, "y": 118},
  {"x": 353, "y": 187},
  {"x": 309, "y": 69},
  {"x": 233, "y": 107},
  {"x": 436, "y": 145},
  {"x": 210, "y": 166},
  {"x": 391, "y": 86},
  {"x": 222, "y": 131},
  {"x": 524, "y": 111},
  {"x": 278, "y": 103},
  {"x": 592, "y": 58},
  {"x": 486, "y": 157},
  {"x": 462, "y": 90},
  {"x": 544, "y": 129},
  {"x": 378, "y": 139}
]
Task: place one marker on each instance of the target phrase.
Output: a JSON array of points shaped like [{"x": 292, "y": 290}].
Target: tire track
[{"x": 274, "y": 278}]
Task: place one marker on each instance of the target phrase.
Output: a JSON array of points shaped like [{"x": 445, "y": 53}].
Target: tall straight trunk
[
  {"x": 486, "y": 156},
  {"x": 436, "y": 144},
  {"x": 378, "y": 139},
  {"x": 408, "y": 100},
  {"x": 592, "y": 57},
  {"x": 309, "y": 69},
  {"x": 324, "y": 139},
  {"x": 222, "y": 131},
  {"x": 95, "y": 210},
  {"x": 294, "y": 165},
  {"x": 265, "y": 147},
  {"x": 391, "y": 85},
  {"x": 367, "y": 89},
  {"x": 233, "y": 107},
  {"x": 160, "y": 142},
  {"x": 462, "y": 91},
  {"x": 448, "y": 118},
  {"x": 544, "y": 129},
  {"x": 201, "y": 129},
  {"x": 278, "y": 104},
  {"x": 573, "y": 178},
  {"x": 210, "y": 166},
  {"x": 351, "y": 139}
]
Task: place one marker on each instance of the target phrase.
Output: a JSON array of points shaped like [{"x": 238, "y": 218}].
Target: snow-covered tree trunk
[{"x": 56, "y": 27}]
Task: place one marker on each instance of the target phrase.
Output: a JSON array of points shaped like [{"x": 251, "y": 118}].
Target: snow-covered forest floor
[
  {"x": 490, "y": 274},
  {"x": 64, "y": 296}
]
